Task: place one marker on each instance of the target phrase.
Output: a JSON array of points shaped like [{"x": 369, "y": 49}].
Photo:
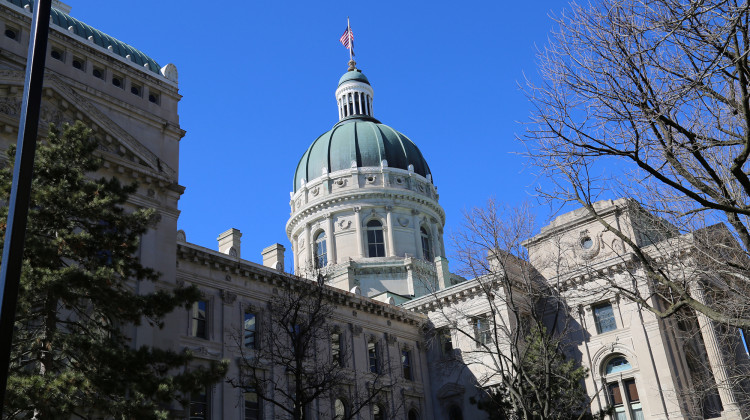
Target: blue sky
[{"x": 258, "y": 81}]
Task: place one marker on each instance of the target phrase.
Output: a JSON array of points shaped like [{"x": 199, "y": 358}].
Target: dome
[
  {"x": 362, "y": 140},
  {"x": 355, "y": 75}
]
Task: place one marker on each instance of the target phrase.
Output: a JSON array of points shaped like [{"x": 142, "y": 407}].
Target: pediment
[{"x": 61, "y": 103}]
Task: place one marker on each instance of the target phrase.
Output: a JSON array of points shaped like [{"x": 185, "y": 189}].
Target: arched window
[
  {"x": 413, "y": 415},
  {"x": 321, "y": 256},
  {"x": 339, "y": 409},
  {"x": 426, "y": 241},
  {"x": 617, "y": 364},
  {"x": 621, "y": 389},
  {"x": 375, "y": 242},
  {"x": 377, "y": 412},
  {"x": 454, "y": 413}
]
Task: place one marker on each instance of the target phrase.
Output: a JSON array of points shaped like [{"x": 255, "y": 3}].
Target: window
[
  {"x": 135, "y": 90},
  {"x": 98, "y": 72},
  {"x": 249, "y": 330},
  {"x": 339, "y": 410},
  {"x": 618, "y": 364},
  {"x": 377, "y": 412},
  {"x": 426, "y": 248},
  {"x": 199, "y": 319},
  {"x": 621, "y": 391},
  {"x": 199, "y": 407},
  {"x": 117, "y": 81},
  {"x": 321, "y": 257},
  {"x": 153, "y": 97},
  {"x": 604, "y": 317},
  {"x": 482, "y": 330},
  {"x": 372, "y": 355},
  {"x": 252, "y": 404},
  {"x": 445, "y": 340},
  {"x": 375, "y": 242},
  {"x": 413, "y": 415},
  {"x": 406, "y": 364},
  {"x": 336, "y": 349},
  {"x": 12, "y": 33},
  {"x": 57, "y": 54},
  {"x": 79, "y": 63}
]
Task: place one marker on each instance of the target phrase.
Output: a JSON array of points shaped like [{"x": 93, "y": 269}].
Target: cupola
[{"x": 354, "y": 94}]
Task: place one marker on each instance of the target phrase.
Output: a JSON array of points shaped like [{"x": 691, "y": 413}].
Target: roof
[
  {"x": 363, "y": 140},
  {"x": 65, "y": 21},
  {"x": 355, "y": 75}
]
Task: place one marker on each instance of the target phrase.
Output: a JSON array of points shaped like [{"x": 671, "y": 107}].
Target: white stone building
[{"x": 366, "y": 219}]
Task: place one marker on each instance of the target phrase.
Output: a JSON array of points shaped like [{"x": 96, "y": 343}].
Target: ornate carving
[
  {"x": 10, "y": 106},
  {"x": 125, "y": 138},
  {"x": 356, "y": 329},
  {"x": 340, "y": 182},
  {"x": 390, "y": 338},
  {"x": 403, "y": 221},
  {"x": 316, "y": 191},
  {"x": 344, "y": 224},
  {"x": 181, "y": 236},
  {"x": 370, "y": 179},
  {"x": 228, "y": 297}
]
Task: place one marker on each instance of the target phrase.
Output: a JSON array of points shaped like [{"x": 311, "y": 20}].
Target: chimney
[
  {"x": 273, "y": 256},
  {"x": 229, "y": 242}
]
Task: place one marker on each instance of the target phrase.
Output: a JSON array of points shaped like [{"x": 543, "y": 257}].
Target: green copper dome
[
  {"x": 65, "y": 21},
  {"x": 355, "y": 75},
  {"x": 359, "y": 139}
]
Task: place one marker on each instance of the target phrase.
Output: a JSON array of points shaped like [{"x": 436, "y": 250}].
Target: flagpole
[{"x": 351, "y": 38}]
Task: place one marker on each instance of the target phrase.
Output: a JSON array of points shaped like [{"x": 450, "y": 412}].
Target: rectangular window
[
  {"x": 406, "y": 364},
  {"x": 118, "y": 81},
  {"x": 336, "y": 349},
  {"x": 199, "y": 319},
  {"x": 79, "y": 63},
  {"x": 372, "y": 354},
  {"x": 604, "y": 317},
  {"x": 615, "y": 398},
  {"x": 482, "y": 330},
  {"x": 58, "y": 54},
  {"x": 252, "y": 404},
  {"x": 249, "y": 331},
  {"x": 635, "y": 403},
  {"x": 199, "y": 407},
  {"x": 446, "y": 342}
]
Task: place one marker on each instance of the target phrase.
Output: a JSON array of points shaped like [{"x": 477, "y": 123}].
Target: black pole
[{"x": 18, "y": 207}]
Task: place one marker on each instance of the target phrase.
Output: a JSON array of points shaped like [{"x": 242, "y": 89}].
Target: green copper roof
[
  {"x": 363, "y": 140},
  {"x": 84, "y": 31},
  {"x": 354, "y": 75}
]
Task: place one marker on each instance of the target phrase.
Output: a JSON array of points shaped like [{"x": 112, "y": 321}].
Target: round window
[{"x": 587, "y": 243}]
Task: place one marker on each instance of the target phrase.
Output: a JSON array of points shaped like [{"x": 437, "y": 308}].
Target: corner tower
[{"x": 365, "y": 213}]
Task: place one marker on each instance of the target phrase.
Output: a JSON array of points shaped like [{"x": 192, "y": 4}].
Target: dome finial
[{"x": 352, "y": 65}]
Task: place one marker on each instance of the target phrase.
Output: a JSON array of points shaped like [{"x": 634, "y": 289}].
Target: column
[
  {"x": 389, "y": 223},
  {"x": 417, "y": 233},
  {"x": 436, "y": 251},
  {"x": 295, "y": 252},
  {"x": 331, "y": 240},
  {"x": 309, "y": 253},
  {"x": 715, "y": 358},
  {"x": 358, "y": 228}
]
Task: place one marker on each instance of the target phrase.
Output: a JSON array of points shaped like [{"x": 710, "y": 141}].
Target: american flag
[{"x": 347, "y": 38}]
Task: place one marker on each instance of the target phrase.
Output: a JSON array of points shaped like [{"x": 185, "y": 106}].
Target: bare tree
[
  {"x": 512, "y": 332},
  {"x": 651, "y": 100},
  {"x": 298, "y": 362}
]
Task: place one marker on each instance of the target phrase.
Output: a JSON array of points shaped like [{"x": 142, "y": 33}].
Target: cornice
[
  {"x": 355, "y": 198},
  {"x": 247, "y": 270}
]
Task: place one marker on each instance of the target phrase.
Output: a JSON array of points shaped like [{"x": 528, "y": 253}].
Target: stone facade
[{"x": 387, "y": 298}]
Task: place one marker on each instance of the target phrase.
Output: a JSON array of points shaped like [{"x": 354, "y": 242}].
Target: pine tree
[{"x": 70, "y": 353}]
